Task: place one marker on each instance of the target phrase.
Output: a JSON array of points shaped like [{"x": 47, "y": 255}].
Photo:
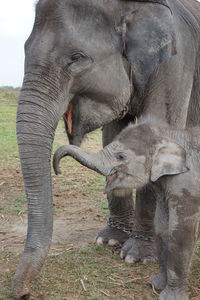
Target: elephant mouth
[
  {"x": 110, "y": 181},
  {"x": 68, "y": 119},
  {"x": 111, "y": 177},
  {"x": 115, "y": 180}
]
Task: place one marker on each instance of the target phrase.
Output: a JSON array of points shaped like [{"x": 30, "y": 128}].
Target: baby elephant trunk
[{"x": 96, "y": 162}]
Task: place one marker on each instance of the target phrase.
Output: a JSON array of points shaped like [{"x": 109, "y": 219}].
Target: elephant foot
[
  {"x": 159, "y": 281},
  {"x": 173, "y": 294},
  {"x": 111, "y": 236},
  {"x": 136, "y": 249}
]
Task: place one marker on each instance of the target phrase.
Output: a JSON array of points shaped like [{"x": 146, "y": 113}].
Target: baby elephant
[{"x": 168, "y": 160}]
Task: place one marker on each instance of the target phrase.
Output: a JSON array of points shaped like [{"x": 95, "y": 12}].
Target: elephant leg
[
  {"x": 159, "y": 280},
  {"x": 121, "y": 209},
  {"x": 161, "y": 222},
  {"x": 183, "y": 233},
  {"x": 141, "y": 246}
]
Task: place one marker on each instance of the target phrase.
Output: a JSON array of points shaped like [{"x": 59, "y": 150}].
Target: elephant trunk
[
  {"x": 37, "y": 118},
  {"x": 97, "y": 162}
]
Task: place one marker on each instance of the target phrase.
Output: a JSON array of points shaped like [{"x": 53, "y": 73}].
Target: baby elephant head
[{"x": 131, "y": 161}]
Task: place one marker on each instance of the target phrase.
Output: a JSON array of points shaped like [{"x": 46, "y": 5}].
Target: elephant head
[
  {"x": 148, "y": 39},
  {"x": 76, "y": 51},
  {"x": 139, "y": 155}
]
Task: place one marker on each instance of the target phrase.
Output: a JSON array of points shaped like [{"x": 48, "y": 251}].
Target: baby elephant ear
[{"x": 169, "y": 159}]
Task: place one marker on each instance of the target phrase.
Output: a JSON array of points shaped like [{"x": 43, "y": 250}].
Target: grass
[
  {"x": 69, "y": 273},
  {"x": 88, "y": 273},
  {"x": 8, "y": 142},
  {"x": 17, "y": 204}
]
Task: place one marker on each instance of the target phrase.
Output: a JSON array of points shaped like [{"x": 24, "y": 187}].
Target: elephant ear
[
  {"x": 149, "y": 38},
  {"x": 169, "y": 159}
]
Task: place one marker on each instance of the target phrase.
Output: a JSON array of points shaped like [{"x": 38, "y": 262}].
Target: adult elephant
[{"x": 83, "y": 51}]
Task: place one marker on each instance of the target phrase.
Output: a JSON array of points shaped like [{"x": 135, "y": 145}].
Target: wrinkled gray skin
[
  {"x": 144, "y": 154},
  {"x": 77, "y": 50},
  {"x": 172, "y": 94}
]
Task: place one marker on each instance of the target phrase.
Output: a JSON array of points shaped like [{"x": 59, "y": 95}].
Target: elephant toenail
[
  {"x": 129, "y": 259},
  {"x": 113, "y": 242},
  {"x": 99, "y": 241},
  {"x": 148, "y": 260}
]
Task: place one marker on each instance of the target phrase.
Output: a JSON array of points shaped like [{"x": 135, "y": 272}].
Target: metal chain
[
  {"x": 128, "y": 228},
  {"x": 121, "y": 225}
]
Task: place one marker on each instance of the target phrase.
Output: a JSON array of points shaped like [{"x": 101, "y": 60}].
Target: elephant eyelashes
[{"x": 77, "y": 56}]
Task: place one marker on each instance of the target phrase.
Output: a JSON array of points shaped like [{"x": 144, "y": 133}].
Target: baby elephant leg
[
  {"x": 161, "y": 230},
  {"x": 182, "y": 237}
]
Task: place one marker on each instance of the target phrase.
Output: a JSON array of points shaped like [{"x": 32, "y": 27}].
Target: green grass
[
  {"x": 198, "y": 251},
  {"x": 17, "y": 204},
  {"x": 8, "y": 141}
]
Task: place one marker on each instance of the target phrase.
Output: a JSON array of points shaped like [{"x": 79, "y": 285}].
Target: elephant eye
[
  {"x": 76, "y": 63},
  {"x": 121, "y": 156},
  {"x": 77, "y": 56}
]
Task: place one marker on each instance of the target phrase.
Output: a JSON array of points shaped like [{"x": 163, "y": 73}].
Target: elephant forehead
[
  {"x": 46, "y": 8},
  {"x": 117, "y": 147},
  {"x": 130, "y": 153},
  {"x": 84, "y": 25},
  {"x": 83, "y": 21},
  {"x": 77, "y": 11},
  {"x": 136, "y": 158}
]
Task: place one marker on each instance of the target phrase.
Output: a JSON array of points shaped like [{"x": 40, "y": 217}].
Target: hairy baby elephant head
[{"x": 136, "y": 157}]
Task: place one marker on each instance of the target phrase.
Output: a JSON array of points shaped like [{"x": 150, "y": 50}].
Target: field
[{"x": 76, "y": 268}]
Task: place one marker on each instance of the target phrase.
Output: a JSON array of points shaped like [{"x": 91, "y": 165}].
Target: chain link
[{"x": 128, "y": 228}]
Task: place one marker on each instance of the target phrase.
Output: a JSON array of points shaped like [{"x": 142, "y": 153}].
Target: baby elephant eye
[{"x": 121, "y": 156}]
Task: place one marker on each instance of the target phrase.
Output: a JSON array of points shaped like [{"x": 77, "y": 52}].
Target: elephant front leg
[
  {"x": 159, "y": 280},
  {"x": 161, "y": 224},
  {"x": 141, "y": 246},
  {"x": 182, "y": 237},
  {"x": 120, "y": 222}
]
